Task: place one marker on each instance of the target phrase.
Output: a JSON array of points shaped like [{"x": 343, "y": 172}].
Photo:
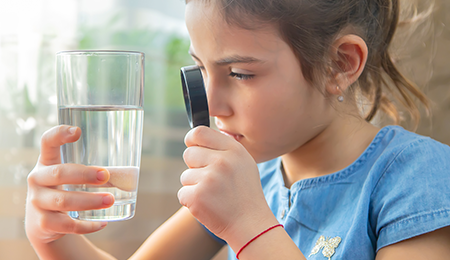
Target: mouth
[{"x": 236, "y": 137}]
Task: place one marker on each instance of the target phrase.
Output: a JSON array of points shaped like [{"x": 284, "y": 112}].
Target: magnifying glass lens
[{"x": 194, "y": 96}]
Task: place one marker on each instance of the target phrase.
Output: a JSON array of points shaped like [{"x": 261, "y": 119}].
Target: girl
[{"x": 286, "y": 82}]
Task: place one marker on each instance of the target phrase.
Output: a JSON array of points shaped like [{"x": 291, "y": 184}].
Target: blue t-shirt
[{"x": 397, "y": 189}]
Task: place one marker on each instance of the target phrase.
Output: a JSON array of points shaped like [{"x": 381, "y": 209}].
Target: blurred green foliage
[{"x": 165, "y": 54}]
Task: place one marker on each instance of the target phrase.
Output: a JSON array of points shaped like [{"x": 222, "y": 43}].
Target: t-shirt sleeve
[{"x": 412, "y": 196}]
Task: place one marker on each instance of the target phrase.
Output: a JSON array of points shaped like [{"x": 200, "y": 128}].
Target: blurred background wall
[{"x": 32, "y": 31}]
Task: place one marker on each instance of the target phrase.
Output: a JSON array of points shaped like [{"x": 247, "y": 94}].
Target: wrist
[
  {"x": 256, "y": 237},
  {"x": 247, "y": 228}
]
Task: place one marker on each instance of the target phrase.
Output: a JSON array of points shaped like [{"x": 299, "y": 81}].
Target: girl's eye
[{"x": 241, "y": 76}]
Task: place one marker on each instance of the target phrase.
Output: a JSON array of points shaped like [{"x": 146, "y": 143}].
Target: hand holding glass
[{"x": 101, "y": 92}]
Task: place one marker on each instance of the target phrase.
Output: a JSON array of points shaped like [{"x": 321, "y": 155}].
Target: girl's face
[{"x": 256, "y": 90}]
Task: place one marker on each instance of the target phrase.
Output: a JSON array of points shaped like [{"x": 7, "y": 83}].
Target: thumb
[{"x": 52, "y": 140}]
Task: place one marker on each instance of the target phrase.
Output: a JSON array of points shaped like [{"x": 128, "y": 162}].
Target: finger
[
  {"x": 206, "y": 137},
  {"x": 191, "y": 177},
  {"x": 52, "y": 140},
  {"x": 68, "y": 174},
  {"x": 198, "y": 157},
  {"x": 61, "y": 200},
  {"x": 59, "y": 222},
  {"x": 186, "y": 195}
]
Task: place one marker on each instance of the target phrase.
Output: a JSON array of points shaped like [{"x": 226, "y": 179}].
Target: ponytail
[{"x": 388, "y": 80}]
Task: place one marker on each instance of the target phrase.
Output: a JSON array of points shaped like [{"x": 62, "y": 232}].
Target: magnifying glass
[{"x": 194, "y": 96}]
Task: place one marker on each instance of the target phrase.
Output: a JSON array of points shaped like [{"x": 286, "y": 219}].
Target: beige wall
[{"x": 438, "y": 89}]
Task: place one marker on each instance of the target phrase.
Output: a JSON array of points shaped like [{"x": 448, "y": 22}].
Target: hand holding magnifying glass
[{"x": 221, "y": 171}]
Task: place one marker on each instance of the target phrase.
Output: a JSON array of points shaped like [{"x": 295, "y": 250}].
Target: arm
[
  {"x": 70, "y": 247},
  {"x": 432, "y": 246},
  {"x": 180, "y": 237}
]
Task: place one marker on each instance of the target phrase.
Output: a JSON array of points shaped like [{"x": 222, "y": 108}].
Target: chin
[{"x": 260, "y": 158}]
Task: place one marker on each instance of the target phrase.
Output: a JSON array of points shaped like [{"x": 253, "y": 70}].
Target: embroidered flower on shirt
[{"x": 329, "y": 245}]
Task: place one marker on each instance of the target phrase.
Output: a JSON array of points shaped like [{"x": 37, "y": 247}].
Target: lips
[{"x": 237, "y": 137}]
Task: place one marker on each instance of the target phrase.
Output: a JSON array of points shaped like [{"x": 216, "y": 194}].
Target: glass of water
[{"x": 102, "y": 93}]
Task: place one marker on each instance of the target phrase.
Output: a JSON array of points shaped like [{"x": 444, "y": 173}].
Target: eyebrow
[{"x": 231, "y": 59}]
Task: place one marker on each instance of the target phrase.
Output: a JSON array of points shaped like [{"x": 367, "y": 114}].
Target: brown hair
[{"x": 311, "y": 26}]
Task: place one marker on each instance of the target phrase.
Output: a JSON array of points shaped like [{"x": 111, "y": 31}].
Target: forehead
[{"x": 210, "y": 31}]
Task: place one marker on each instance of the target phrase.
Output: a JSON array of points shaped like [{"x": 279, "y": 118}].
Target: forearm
[
  {"x": 267, "y": 239},
  {"x": 275, "y": 244},
  {"x": 180, "y": 237},
  {"x": 70, "y": 247}
]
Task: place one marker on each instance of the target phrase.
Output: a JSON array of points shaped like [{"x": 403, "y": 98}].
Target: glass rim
[{"x": 99, "y": 52}]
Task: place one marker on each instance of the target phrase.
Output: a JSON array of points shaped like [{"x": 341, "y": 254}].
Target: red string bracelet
[{"x": 253, "y": 239}]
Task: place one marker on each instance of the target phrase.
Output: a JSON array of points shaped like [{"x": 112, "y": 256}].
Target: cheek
[
  {"x": 281, "y": 121},
  {"x": 268, "y": 118}
]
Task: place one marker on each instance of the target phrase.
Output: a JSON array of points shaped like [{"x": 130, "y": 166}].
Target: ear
[{"x": 349, "y": 56}]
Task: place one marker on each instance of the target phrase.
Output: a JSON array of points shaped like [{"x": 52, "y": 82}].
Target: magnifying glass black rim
[{"x": 194, "y": 96}]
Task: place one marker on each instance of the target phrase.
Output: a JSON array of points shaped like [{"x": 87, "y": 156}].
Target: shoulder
[
  {"x": 413, "y": 154},
  {"x": 410, "y": 197},
  {"x": 410, "y": 161},
  {"x": 397, "y": 138}
]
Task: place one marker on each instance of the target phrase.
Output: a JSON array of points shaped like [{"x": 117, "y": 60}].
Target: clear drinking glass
[{"x": 102, "y": 93}]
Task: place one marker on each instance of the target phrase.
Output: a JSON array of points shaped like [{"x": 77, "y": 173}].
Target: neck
[{"x": 333, "y": 149}]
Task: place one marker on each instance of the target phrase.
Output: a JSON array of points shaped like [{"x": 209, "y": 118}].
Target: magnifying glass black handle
[{"x": 195, "y": 96}]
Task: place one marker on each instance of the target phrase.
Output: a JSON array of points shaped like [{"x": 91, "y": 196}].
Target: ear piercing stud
[{"x": 340, "y": 98}]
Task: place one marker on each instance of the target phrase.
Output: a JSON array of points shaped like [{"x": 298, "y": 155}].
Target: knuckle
[
  {"x": 209, "y": 178},
  {"x": 222, "y": 163},
  {"x": 44, "y": 140},
  {"x": 199, "y": 131},
  {"x": 60, "y": 200},
  {"x": 53, "y": 136},
  {"x": 70, "y": 227},
  {"x": 183, "y": 177},
  {"x": 185, "y": 197},
  {"x": 211, "y": 184},
  {"x": 180, "y": 196},
  {"x": 47, "y": 135},
  {"x": 187, "y": 153},
  {"x": 58, "y": 130},
  {"x": 86, "y": 176},
  {"x": 33, "y": 199},
  {"x": 31, "y": 177},
  {"x": 55, "y": 173},
  {"x": 194, "y": 134}
]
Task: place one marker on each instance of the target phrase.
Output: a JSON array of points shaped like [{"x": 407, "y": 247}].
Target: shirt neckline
[{"x": 321, "y": 180}]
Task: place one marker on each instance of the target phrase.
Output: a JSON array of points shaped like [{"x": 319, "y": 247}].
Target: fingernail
[
  {"x": 102, "y": 175},
  {"x": 107, "y": 200},
  {"x": 102, "y": 225},
  {"x": 72, "y": 130}
]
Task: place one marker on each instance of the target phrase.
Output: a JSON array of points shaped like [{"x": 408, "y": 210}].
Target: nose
[{"x": 218, "y": 94}]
